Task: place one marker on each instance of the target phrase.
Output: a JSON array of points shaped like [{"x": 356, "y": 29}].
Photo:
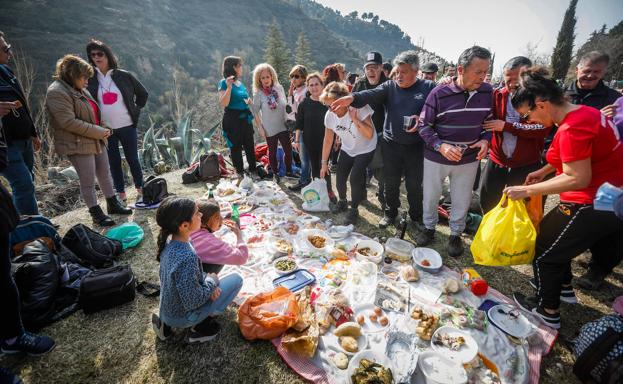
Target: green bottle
[
  {"x": 235, "y": 215},
  {"x": 211, "y": 193}
]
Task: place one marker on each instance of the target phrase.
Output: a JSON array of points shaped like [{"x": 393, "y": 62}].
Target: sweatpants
[
  {"x": 355, "y": 167},
  {"x": 273, "y": 144},
  {"x": 566, "y": 232},
  {"x": 238, "y": 132},
  {"x": 314, "y": 156},
  {"x": 399, "y": 159},
  {"x": 496, "y": 177},
  {"x": 88, "y": 168},
  {"x": 11, "y": 320},
  {"x": 461, "y": 183},
  {"x": 376, "y": 167},
  {"x": 128, "y": 137}
]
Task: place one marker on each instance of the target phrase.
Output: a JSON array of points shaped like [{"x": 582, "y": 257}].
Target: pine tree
[
  {"x": 302, "y": 54},
  {"x": 561, "y": 57},
  {"x": 276, "y": 53}
]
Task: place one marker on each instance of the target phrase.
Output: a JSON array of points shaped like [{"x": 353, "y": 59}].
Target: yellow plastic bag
[{"x": 506, "y": 235}]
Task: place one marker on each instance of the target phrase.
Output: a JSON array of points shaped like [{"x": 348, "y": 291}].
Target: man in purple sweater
[{"x": 451, "y": 126}]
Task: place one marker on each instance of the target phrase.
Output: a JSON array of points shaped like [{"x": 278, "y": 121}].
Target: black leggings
[
  {"x": 356, "y": 168},
  {"x": 238, "y": 131},
  {"x": 315, "y": 161},
  {"x": 11, "y": 320}
]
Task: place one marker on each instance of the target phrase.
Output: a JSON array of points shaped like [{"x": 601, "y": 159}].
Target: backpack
[
  {"x": 90, "y": 247},
  {"x": 209, "y": 167},
  {"x": 190, "y": 175},
  {"x": 107, "y": 288},
  {"x": 599, "y": 350},
  {"x": 154, "y": 190},
  {"x": 33, "y": 227}
]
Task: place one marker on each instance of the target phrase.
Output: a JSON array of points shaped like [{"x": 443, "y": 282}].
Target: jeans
[
  {"x": 461, "y": 183},
  {"x": 128, "y": 137},
  {"x": 11, "y": 320},
  {"x": 19, "y": 173},
  {"x": 353, "y": 168},
  {"x": 88, "y": 167},
  {"x": 399, "y": 159},
  {"x": 305, "y": 165},
  {"x": 230, "y": 286}
]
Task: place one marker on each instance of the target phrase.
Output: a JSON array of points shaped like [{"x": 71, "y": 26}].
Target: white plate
[
  {"x": 362, "y": 344},
  {"x": 437, "y": 368},
  {"x": 465, "y": 354},
  {"x": 279, "y": 272},
  {"x": 370, "y": 355},
  {"x": 516, "y": 326},
  {"x": 306, "y": 233},
  {"x": 368, "y": 326}
]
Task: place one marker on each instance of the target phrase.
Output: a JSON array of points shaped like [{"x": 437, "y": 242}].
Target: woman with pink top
[{"x": 213, "y": 252}]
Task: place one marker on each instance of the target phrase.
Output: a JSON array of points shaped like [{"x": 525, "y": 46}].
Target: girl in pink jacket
[{"x": 213, "y": 252}]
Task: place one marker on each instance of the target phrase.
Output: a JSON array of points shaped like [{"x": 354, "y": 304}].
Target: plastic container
[
  {"x": 474, "y": 282},
  {"x": 375, "y": 247},
  {"x": 438, "y": 369},
  {"x": 433, "y": 257},
  {"x": 399, "y": 250},
  {"x": 295, "y": 280}
]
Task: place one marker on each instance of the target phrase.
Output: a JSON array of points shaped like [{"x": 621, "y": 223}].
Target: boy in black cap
[{"x": 429, "y": 71}]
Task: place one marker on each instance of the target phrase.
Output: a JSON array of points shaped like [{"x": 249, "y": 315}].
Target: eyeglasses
[
  {"x": 7, "y": 48},
  {"x": 526, "y": 115},
  {"x": 295, "y": 77},
  {"x": 97, "y": 54}
]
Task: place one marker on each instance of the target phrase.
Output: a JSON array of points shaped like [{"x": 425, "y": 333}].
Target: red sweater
[{"x": 530, "y": 137}]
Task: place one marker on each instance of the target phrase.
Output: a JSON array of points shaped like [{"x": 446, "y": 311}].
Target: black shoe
[
  {"x": 352, "y": 217},
  {"x": 113, "y": 205},
  {"x": 208, "y": 332},
  {"x": 425, "y": 237},
  {"x": 340, "y": 206},
  {"x": 386, "y": 221},
  {"x": 530, "y": 304},
  {"x": 292, "y": 175},
  {"x": 100, "y": 218},
  {"x": 455, "y": 246},
  {"x": 418, "y": 225},
  {"x": 162, "y": 330},
  {"x": 276, "y": 178},
  {"x": 33, "y": 345},
  {"x": 297, "y": 187},
  {"x": 591, "y": 280},
  {"x": 567, "y": 294},
  {"x": 8, "y": 377}
]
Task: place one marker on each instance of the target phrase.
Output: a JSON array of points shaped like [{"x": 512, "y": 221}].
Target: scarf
[{"x": 272, "y": 96}]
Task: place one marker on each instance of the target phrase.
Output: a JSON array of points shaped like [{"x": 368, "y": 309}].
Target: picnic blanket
[{"x": 269, "y": 215}]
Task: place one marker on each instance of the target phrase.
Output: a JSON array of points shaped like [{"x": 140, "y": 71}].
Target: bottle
[
  {"x": 235, "y": 215},
  {"x": 402, "y": 225},
  {"x": 474, "y": 282},
  {"x": 211, "y": 193}
]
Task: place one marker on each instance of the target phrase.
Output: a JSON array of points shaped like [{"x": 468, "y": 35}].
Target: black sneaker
[
  {"x": 530, "y": 304},
  {"x": 8, "y": 377},
  {"x": 162, "y": 330},
  {"x": 386, "y": 221},
  {"x": 425, "y": 237},
  {"x": 211, "y": 330},
  {"x": 455, "y": 246},
  {"x": 352, "y": 217},
  {"x": 340, "y": 206},
  {"x": 276, "y": 178},
  {"x": 292, "y": 175},
  {"x": 567, "y": 294},
  {"x": 591, "y": 280},
  {"x": 418, "y": 225},
  {"x": 33, "y": 345}
]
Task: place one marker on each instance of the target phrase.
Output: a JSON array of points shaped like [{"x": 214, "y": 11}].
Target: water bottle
[{"x": 235, "y": 215}]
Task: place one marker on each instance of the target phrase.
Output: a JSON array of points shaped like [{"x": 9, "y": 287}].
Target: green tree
[
  {"x": 561, "y": 57},
  {"x": 302, "y": 54},
  {"x": 276, "y": 53}
]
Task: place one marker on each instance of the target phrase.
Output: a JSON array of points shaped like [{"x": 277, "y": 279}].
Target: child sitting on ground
[
  {"x": 188, "y": 298},
  {"x": 213, "y": 252}
]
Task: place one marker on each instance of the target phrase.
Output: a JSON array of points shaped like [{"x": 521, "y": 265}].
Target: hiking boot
[
  {"x": 113, "y": 205},
  {"x": 9, "y": 377},
  {"x": 33, "y": 345},
  {"x": 297, "y": 187},
  {"x": 591, "y": 280},
  {"x": 340, "y": 206},
  {"x": 567, "y": 294},
  {"x": 530, "y": 304},
  {"x": 162, "y": 330},
  {"x": 100, "y": 218},
  {"x": 352, "y": 216},
  {"x": 386, "y": 221},
  {"x": 455, "y": 246},
  {"x": 203, "y": 332},
  {"x": 425, "y": 237}
]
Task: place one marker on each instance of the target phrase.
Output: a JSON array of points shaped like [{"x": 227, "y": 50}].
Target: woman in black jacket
[{"x": 120, "y": 97}]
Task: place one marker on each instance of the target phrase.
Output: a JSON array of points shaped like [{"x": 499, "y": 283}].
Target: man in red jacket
[{"x": 516, "y": 146}]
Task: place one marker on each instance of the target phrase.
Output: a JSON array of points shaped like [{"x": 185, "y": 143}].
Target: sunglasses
[
  {"x": 295, "y": 77},
  {"x": 97, "y": 54},
  {"x": 526, "y": 115},
  {"x": 7, "y": 48}
]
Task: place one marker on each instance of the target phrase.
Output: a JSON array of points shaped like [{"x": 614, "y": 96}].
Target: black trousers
[
  {"x": 315, "y": 160},
  {"x": 399, "y": 159},
  {"x": 239, "y": 134},
  {"x": 567, "y": 231},
  {"x": 212, "y": 268},
  {"x": 496, "y": 177},
  {"x": 355, "y": 167},
  {"x": 11, "y": 320}
]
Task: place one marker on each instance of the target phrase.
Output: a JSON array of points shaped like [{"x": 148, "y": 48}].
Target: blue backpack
[{"x": 31, "y": 228}]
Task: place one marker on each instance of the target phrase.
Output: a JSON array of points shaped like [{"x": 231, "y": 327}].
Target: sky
[{"x": 447, "y": 27}]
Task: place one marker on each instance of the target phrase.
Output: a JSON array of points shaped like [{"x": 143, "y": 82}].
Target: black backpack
[
  {"x": 209, "y": 167},
  {"x": 90, "y": 247},
  {"x": 599, "y": 350},
  {"x": 107, "y": 288},
  {"x": 154, "y": 190},
  {"x": 190, "y": 175}
]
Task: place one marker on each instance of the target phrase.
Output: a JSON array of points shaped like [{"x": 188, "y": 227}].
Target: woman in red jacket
[
  {"x": 516, "y": 146},
  {"x": 584, "y": 154}
]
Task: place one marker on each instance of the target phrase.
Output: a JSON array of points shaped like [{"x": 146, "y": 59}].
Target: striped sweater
[{"x": 454, "y": 116}]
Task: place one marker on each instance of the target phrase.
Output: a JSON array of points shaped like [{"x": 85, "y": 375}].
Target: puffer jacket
[{"x": 73, "y": 121}]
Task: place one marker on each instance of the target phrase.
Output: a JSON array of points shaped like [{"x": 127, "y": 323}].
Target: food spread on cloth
[{"x": 372, "y": 301}]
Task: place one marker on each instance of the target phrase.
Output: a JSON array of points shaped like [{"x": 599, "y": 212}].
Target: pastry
[
  {"x": 348, "y": 329},
  {"x": 340, "y": 360},
  {"x": 349, "y": 344}
]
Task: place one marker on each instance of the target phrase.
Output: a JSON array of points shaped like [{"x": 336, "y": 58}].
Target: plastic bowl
[
  {"x": 370, "y": 355},
  {"x": 438, "y": 369},
  {"x": 434, "y": 258},
  {"x": 280, "y": 272},
  {"x": 374, "y": 246}
]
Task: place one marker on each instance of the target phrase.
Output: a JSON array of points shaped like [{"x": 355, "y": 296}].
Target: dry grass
[{"x": 119, "y": 345}]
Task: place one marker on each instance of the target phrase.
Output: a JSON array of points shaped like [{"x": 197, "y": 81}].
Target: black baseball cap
[
  {"x": 372, "y": 58},
  {"x": 430, "y": 68}
]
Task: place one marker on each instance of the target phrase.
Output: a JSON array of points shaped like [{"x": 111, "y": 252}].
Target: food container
[
  {"x": 369, "y": 355},
  {"x": 438, "y": 369},
  {"x": 399, "y": 250},
  {"x": 371, "y": 251},
  {"x": 427, "y": 259},
  {"x": 339, "y": 232},
  {"x": 328, "y": 241},
  {"x": 279, "y": 263}
]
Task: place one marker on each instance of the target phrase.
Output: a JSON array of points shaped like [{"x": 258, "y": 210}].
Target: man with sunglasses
[{"x": 21, "y": 136}]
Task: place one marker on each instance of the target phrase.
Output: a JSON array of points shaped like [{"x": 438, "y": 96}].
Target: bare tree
[{"x": 531, "y": 51}]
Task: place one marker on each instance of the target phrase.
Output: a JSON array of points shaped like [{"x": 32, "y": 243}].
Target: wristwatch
[{"x": 437, "y": 147}]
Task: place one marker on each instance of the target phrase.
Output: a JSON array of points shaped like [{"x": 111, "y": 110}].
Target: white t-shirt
[
  {"x": 353, "y": 142},
  {"x": 114, "y": 115}
]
